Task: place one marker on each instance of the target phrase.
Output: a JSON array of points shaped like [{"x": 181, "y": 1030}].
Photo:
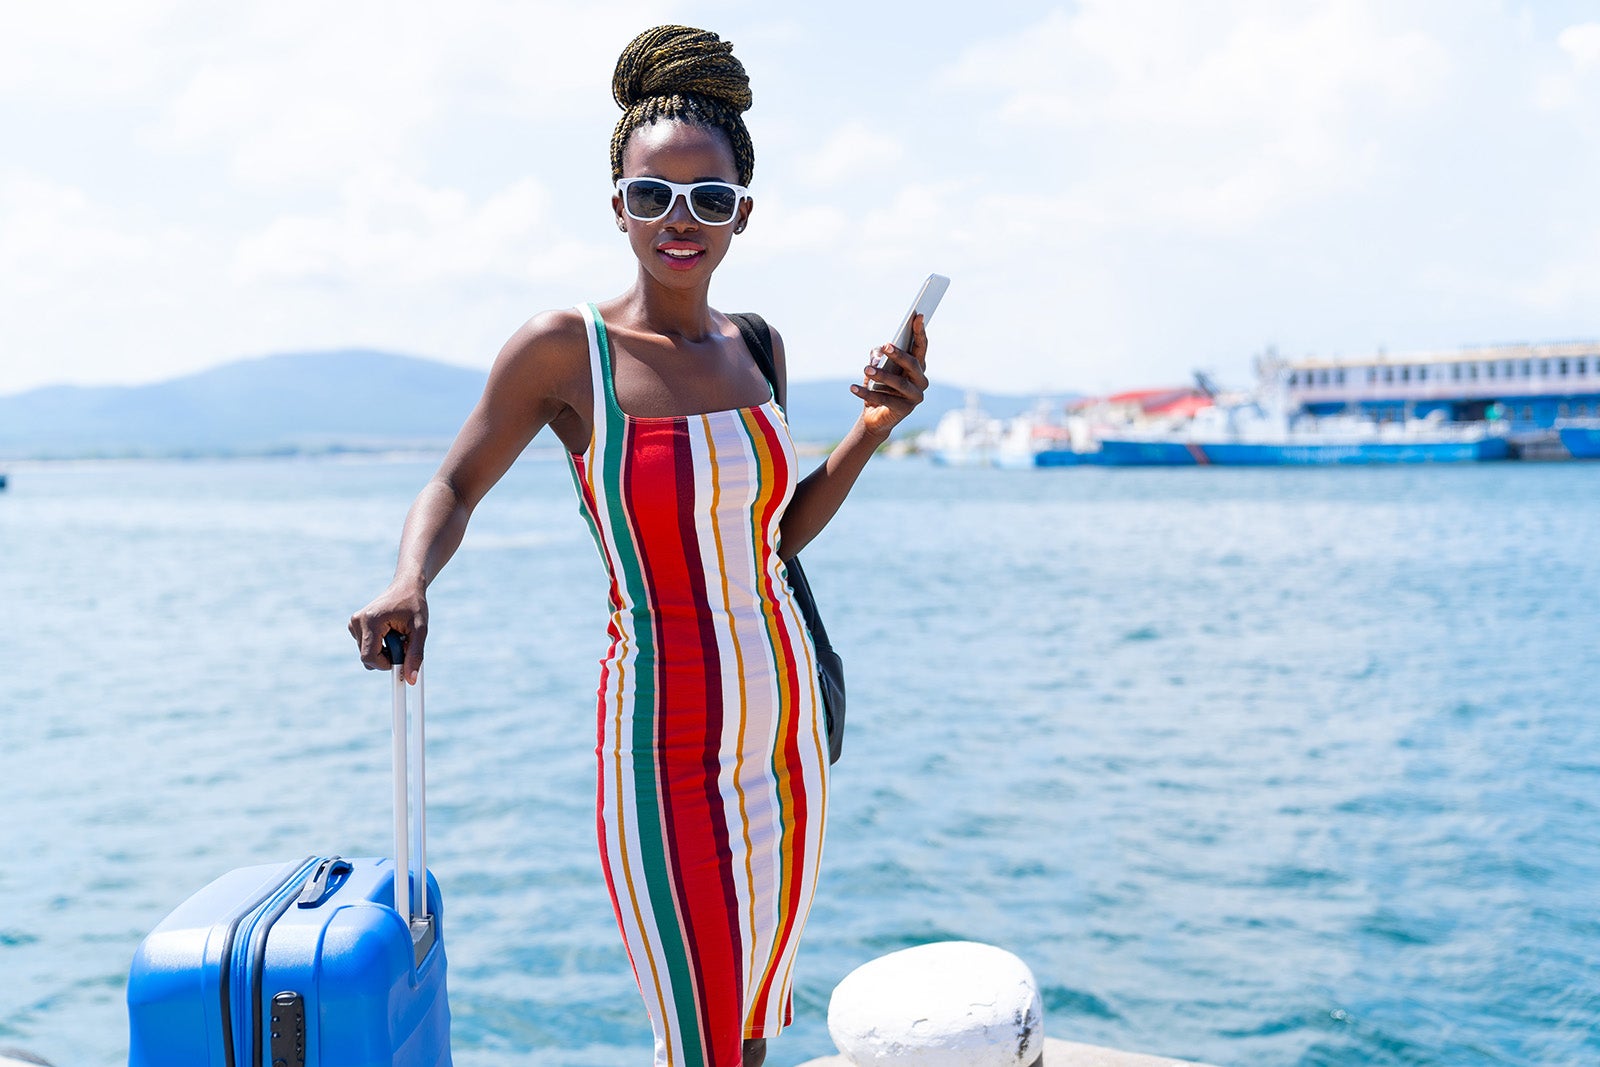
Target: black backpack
[{"x": 830, "y": 668}]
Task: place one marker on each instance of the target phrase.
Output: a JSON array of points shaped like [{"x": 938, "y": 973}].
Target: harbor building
[{"x": 1528, "y": 386}]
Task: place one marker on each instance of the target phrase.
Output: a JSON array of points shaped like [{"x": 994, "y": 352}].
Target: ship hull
[
  {"x": 1583, "y": 442},
  {"x": 1065, "y": 457},
  {"x": 1317, "y": 454},
  {"x": 1150, "y": 454}
]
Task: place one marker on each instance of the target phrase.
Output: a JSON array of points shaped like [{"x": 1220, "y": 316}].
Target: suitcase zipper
[
  {"x": 298, "y": 872},
  {"x": 286, "y": 896}
]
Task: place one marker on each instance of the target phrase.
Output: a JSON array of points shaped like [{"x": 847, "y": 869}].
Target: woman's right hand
[
  {"x": 402, "y": 610},
  {"x": 540, "y": 373}
]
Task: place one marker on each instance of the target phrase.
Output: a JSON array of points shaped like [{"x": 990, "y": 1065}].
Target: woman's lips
[{"x": 680, "y": 256}]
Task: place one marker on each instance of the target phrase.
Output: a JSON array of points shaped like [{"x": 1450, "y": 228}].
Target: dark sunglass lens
[
  {"x": 648, "y": 200},
  {"x": 715, "y": 203}
]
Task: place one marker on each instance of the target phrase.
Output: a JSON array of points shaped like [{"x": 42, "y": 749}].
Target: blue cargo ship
[
  {"x": 1465, "y": 405},
  {"x": 1247, "y": 436},
  {"x": 1265, "y": 434}
]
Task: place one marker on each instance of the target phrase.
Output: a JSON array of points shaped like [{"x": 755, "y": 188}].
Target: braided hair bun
[{"x": 676, "y": 72}]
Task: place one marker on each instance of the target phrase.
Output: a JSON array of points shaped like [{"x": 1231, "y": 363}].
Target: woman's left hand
[{"x": 895, "y": 387}]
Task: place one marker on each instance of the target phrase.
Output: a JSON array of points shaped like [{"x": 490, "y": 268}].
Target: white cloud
[
  {"x": 84, "y": 49},
  {"x": 854, "y": 149},
  {"x": 1582, "y": 43},
  {"x": 87, "y": 292},
  {"x": 1116, "y": 186},
  {"x": 1211, "y": 116},
  {"x": 298, "y": 91},
  {"x": 781, "y": 227},
  {"x": 1567, "y": 281},
  {"x": 1205, "y": 66},
  {"x": 322, "y": 116},
  {"x": 922, "y": 216},
  {"x": 391, "y": 230},
  {"x": 52, "y": 235},
  {"x": 1573, "y": 84}
]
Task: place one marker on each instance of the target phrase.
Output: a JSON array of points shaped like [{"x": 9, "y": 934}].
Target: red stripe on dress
[
  {"x": 649, "y": 497},
  {"x": 659, "y": 495}
]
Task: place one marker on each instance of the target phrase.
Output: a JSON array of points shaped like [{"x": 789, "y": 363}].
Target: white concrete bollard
[{"x": 948, "y": 1004}]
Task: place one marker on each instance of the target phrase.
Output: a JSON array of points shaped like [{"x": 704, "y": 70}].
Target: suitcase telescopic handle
[{"x": 410, "y": 857}]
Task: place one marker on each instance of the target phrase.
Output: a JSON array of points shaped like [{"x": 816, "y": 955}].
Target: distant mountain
[
  {"x": 352, "y": 399},
  {"x": 823, "y": 412},
  {"x": 312, "y": 400}
]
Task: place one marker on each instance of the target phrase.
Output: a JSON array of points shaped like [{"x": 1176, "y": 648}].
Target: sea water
[{"x": 1250, "y": 766}]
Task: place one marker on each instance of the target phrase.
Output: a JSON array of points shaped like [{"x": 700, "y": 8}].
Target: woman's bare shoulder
[
  {"x": 557, "y": 336},
  {"x": 542, "y": 371}
]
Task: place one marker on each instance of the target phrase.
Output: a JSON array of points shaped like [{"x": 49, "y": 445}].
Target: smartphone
[{"x": 927, "y": 300}]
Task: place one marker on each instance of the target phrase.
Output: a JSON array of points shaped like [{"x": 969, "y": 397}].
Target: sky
[{"x": 1121, "y": 190}]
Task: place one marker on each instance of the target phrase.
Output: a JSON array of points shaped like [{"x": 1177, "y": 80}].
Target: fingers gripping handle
[{"x": 410, "y": 781}]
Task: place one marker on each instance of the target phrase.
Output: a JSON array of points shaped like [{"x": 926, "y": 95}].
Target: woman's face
[{"x": 678, "y": 250}]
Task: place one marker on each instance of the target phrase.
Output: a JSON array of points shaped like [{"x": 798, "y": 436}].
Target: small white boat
[{"x": 967, "y": 437}]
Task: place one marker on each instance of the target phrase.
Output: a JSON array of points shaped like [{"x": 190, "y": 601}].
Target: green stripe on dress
[{"x": 647, "y": 799}]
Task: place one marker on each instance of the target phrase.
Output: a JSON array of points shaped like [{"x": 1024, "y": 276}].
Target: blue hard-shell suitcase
[{"x": 314, "y": 963}]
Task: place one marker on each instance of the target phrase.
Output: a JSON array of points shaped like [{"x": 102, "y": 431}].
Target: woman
[{"x": 712, "y": 760}]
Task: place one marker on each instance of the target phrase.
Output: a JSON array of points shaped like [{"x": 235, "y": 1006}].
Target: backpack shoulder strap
[{"x": 758, "y": 338}]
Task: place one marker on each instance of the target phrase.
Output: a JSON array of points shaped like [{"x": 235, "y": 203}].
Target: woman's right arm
[{"x": 525, "y": 392}]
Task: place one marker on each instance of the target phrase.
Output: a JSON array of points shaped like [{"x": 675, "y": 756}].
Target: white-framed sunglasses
[{"x": 711, "y": 203}]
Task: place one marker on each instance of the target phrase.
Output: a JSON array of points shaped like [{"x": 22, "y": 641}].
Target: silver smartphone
[{"x": 927, "y": 300}]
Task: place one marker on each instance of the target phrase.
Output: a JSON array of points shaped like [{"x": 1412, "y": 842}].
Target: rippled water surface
[{"x": 1253, "y": 767}]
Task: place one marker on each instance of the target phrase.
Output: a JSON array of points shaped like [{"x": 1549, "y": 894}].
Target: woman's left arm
[{"x": 889, "y": 395}]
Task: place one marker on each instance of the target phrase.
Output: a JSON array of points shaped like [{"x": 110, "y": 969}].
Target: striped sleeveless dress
[{"x": 713, "y": 769}]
